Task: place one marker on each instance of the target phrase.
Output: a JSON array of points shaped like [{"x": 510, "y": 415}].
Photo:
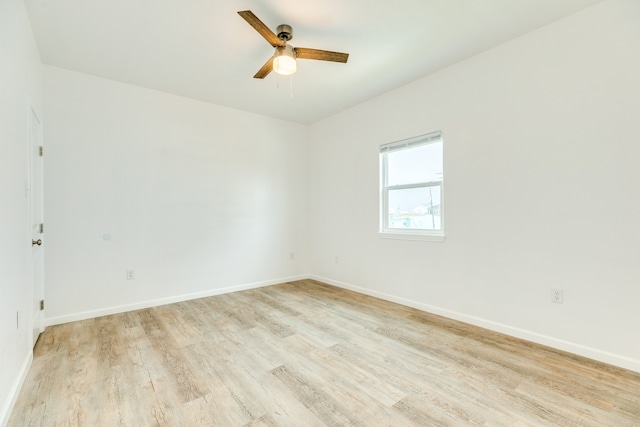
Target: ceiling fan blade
[
  {"x": 322, "y": 55},
  {"x": 260, "y": 27},
  {"x": 265, "y": 70}
]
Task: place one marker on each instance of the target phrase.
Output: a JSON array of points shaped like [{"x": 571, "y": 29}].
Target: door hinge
[
  {"x": 41, "y": 304},
  {"x": 41, "y": 228},
  {"x": 41, "y": 151}
]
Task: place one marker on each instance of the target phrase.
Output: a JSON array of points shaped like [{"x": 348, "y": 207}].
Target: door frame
[{"x": 35, "y": 188}]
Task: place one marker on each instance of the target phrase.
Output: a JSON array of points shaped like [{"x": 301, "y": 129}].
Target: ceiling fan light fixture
[{"x": 284, "y": 60}]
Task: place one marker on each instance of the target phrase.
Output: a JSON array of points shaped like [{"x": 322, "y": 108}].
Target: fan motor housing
[{"x": 285, "y": 32}]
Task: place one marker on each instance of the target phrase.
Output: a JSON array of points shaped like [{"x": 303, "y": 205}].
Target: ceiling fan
[{"x": 283, "y": 60}]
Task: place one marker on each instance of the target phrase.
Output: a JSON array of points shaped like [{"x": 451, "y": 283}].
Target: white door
[{"x": 37, "y": 222}]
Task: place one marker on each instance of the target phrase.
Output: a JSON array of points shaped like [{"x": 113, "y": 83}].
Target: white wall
[
  {"x": 541, "y": 185},
  {"x": 198, "y": 199},
  {"x": 20, "y": 79}
]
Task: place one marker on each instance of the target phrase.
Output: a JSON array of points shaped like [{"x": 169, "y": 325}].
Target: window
[{"x": 411, "y": 188}]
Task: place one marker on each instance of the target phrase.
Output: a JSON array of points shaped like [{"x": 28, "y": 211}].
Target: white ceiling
[{"x": 203, "y": 49}]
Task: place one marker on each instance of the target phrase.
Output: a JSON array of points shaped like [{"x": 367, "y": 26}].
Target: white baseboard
[
  {"x": 581, "y": 350},
  {"x": 7, "y": 407},
  {"x": 50, "y": 321}
]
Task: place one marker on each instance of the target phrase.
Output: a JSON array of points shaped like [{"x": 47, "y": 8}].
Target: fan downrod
[{"x": 285, "y": 32}]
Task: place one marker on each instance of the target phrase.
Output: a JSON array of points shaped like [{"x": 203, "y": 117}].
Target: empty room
[{"x": 299, "y": 213}]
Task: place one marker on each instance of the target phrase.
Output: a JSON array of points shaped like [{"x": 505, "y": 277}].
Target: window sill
[{"x": 438, "y": 238}]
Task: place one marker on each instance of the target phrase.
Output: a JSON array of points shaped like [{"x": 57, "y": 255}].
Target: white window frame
[{"x": 408, "y": 233}]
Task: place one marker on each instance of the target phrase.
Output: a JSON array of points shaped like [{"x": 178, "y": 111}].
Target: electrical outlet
[
  {"x": 292, "y": 255},
  {"x": 18, "y": 319},
  {"x": 337, "y": 259},
  {"x": 131, "y": 275},
  {"x": 557, "y": 295}
]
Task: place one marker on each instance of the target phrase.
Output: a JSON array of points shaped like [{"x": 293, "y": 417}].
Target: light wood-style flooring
[{"x": 309, "y": 354}]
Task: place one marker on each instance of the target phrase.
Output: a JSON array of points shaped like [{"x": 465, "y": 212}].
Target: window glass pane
[
  {"x": 415, "y": 208},
  {"x": 415, "y": 165}
]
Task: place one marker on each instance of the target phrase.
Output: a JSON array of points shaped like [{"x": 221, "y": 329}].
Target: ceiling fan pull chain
[{"x": 291, "y": 87}]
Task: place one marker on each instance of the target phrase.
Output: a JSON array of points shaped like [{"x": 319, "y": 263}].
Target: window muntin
[{"x": 411, "y": 186}]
